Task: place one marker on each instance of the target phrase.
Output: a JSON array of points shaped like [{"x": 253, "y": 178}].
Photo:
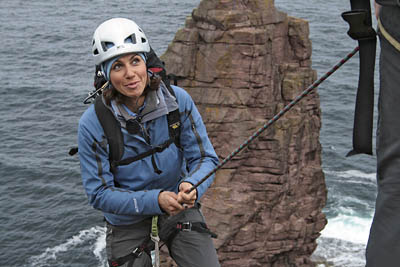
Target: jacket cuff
[{"x": 153, "y": 203}]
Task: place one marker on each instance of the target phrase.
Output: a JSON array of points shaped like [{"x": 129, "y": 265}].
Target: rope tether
[{"x": 277, "y": 116}]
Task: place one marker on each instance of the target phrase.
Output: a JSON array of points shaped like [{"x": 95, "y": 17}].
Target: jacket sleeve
[
  {"x": 197, "y": 148},
  {"x": 98, "y": 180}
]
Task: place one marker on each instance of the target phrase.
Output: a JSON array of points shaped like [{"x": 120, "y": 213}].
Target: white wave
[
  {"x": 349, "y": 228},
  {"x": 100, "y": 246},
  {"x": 353, "y": 174},
  {"x": 351, "y": 206},
  {"x": 349, "y": 211},
  {"x": 336, "y": 252},
  {"x": 95, "y": 233}
]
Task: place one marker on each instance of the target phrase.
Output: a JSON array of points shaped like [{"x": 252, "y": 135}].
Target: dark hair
[{"x": 112, "y": 94}]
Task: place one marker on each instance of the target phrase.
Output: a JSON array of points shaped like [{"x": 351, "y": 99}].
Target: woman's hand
[
  {"x": 185, "y": 198},
  {"x": 168, "y": 202},
  {"x": 172, "y": 203}
]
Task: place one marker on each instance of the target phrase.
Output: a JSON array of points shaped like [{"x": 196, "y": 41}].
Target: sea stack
[{"x": 242, "y": 62}]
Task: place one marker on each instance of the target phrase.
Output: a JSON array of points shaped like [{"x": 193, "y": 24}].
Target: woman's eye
[
  {"x": 116, "y": 66},
  {"x": 135, "y": 61}
]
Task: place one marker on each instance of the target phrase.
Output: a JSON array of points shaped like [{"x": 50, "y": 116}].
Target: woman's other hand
[
  {"x": 185, "y": 198},
  {"x": 168, "y": 202}
]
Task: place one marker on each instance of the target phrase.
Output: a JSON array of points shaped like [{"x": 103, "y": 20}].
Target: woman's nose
[{"x": 130, "y": 71}]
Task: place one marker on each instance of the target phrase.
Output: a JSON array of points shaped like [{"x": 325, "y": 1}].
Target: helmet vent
[
  {"x": 106, "y": 45},
  {"x": 144, "y": 40},
  {"x": 95, "y": 52},
  {"x": 131, "y": 39}
]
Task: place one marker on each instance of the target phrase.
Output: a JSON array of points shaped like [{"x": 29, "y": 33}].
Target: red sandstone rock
[{"x": 243, "y": 61}]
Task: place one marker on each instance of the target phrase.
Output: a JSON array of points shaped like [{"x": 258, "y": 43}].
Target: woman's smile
[
  {"x": 132, "y": 85},
  {"x": 129, "y": 77}
]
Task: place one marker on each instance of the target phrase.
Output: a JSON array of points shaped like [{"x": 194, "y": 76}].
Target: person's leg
[
  {"x": 193, "y": 248},
  {"x": 122, "y": 240},
  {"x": 383, "y": 248}
]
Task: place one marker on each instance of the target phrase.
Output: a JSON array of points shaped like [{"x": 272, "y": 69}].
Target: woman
[{"x": 157, "y": 184}]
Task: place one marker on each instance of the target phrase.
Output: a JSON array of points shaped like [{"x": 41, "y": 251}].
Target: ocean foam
[
  {"x": 100, "y": 246},
  {"x": 349, "y": 228},
  {"x": 339, "y": 253},
  {"x": 353, "y": 174},
  {"x": 95, "y": 233}
]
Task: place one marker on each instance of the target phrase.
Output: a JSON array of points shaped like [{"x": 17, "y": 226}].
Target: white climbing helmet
[{"x": 116, "y": 37}]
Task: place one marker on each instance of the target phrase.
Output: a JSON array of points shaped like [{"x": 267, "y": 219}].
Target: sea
[{"x": 46, "y": 71}]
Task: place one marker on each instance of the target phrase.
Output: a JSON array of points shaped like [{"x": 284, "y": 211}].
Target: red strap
[{"x": 156, "y": 70}]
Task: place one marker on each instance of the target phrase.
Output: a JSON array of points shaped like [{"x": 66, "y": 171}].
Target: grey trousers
[
  {"x": 192, "y": 248},
  {"x": 383, "y": 249}
]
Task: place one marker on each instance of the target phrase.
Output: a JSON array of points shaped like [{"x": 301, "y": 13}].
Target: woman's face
[{"x": 128, "y": 75}]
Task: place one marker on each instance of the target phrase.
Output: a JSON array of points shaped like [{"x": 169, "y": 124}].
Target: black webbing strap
[
  {"x": 195, "y": 226},
  {"x": 174, "y": 125},
  {"x": 150, "y": 152},
  {"x": 112, "y": 130},
  {"x": 131, "y": 257},
  {"x": 175, "y": 78},
  {"x": 187, "y": 227},
  {"x": 360, "y": 21},
  {"x": 364, "y": 109},
  {"x": 174, "y": 120}
]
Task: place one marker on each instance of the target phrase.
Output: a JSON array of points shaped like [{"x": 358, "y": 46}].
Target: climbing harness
[
  {"x": 144, "y": 247},
  {"x": 169, "y": 229},
  {"x": 185, "y": 226},
  {"x": 131, "y": 257},
  {"x": 171, "y": 226},
  {"x": 360, "y": 22},
  {"x": 388, "y": 37},
  {"x": 277, "y": 116}
]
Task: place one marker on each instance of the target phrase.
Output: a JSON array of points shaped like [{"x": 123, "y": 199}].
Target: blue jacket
[{"x": 136, "y": 198}]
